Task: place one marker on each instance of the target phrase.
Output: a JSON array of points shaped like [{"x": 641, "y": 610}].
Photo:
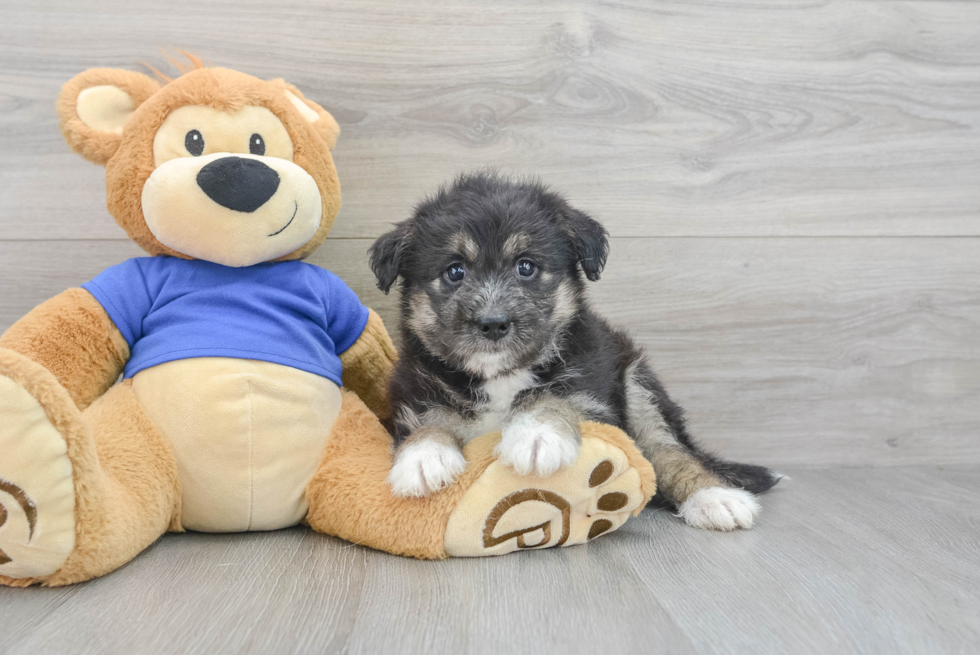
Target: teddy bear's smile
[{"x": 280, "y": 230}]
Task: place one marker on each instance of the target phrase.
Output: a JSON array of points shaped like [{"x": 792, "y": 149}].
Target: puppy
[{"x": 496, "y": 334}]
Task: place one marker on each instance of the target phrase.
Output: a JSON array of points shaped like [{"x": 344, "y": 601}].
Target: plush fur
[
  {"x": 369, "y": 360},
  {"x": 489, "y": 254},
  {"x": 72, "y": 337}
]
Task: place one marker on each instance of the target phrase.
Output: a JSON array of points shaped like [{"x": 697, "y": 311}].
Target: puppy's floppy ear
[
  {"x": 386, "y": 255},
  {"x": 94, "y": 106},
  {"x": 591, "y": 242}
]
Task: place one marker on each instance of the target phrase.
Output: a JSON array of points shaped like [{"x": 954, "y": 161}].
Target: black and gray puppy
[{"x": 496, "y": 334}]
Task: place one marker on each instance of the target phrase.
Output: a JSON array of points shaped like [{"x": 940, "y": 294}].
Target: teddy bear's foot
[
  {"x": 37, "y": 495},
  {"x": 81, "y": 492},
  {"x": 490, "y": 510},
  {"x": 503, "y": 511}
]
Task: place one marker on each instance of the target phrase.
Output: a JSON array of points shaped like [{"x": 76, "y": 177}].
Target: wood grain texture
[
  {"x": 667, "y": 121},
  {"x": 792, "y": 117},
  {"x": 786, "y": 352},
  {"x": 842, "y": 561}
]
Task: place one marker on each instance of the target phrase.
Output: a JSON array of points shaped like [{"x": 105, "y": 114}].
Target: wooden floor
[
  {"x": 882, "y": 560},
  {"x": 793, "y": 193}
]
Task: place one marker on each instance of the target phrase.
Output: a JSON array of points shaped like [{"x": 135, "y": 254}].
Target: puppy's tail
[{"x": 745, "y": 476}]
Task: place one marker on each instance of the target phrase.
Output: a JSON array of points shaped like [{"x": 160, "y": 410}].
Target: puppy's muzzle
[{"x": 238, "y": 183}]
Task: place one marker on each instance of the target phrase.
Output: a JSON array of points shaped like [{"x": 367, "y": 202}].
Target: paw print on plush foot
[
  {"x": 504, "y": 511},
  {"x": 534, "y": 447}
]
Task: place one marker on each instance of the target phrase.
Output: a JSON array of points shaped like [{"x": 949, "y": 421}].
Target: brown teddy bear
[{"x": 252, "y": 382}]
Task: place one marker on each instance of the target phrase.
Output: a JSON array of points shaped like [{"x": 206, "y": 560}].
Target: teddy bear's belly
[{"x": 248, "y": 436}]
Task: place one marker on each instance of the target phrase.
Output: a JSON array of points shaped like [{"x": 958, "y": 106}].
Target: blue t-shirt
[{"x": 289, "y": 313}]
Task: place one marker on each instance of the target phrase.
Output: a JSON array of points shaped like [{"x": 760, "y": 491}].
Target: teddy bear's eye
[
  {"x": 194, "y": 142},
  {"x": 256, "y": 145}
]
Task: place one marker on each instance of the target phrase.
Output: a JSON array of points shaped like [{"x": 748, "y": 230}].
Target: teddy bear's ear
[
  {"x": 95, "y": 105},
  {"x": 317, "y": 116}
]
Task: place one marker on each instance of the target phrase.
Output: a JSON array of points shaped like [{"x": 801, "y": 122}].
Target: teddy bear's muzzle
[{"x": 232, "y": 209}]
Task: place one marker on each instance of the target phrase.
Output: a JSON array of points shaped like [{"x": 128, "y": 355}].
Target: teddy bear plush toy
[{"x": 221, "y": 384}]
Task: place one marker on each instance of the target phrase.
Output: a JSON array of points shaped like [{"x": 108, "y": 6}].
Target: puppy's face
[
  {"x": 490, "y": 271},
  {"x": 486, "y": 294}
]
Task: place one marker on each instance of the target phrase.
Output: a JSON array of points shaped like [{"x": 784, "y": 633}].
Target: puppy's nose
[
  {"x": 494, "y": 327},
  {"x": 238, "y": 183}
]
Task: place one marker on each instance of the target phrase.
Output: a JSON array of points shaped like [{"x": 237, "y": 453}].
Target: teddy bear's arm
[
  {"x": 73, "y": 337},
  {"x": 368, "y": 365}
]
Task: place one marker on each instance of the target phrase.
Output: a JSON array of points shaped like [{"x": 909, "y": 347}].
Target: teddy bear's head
[{"x": 214, "y": 165}]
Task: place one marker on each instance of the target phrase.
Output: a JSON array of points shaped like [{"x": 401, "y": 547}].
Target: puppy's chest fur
[{"x": 493, "y": 402}]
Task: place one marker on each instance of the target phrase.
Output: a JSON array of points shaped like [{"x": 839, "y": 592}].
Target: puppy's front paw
[
  {"x": 532, "y": 447},
  {"x": 424, "y": 467},
  {"x": 720, "y": 508}
]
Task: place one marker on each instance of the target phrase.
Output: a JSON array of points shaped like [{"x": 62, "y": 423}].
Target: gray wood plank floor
[{"x": 882, "y": 560}]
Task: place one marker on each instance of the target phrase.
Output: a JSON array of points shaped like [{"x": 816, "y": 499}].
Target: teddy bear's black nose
[{"x": 238, "y": 183}]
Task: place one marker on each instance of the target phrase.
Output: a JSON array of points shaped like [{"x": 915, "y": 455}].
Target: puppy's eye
[
  {"x": 256, "y": 145},
  {"x": 194, "y": 142},
  {"x": 526, "y": 268},
  {"x": 455, "y": 273}
]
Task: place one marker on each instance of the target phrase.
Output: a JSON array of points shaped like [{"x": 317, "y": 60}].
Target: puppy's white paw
[
  {"x": 425, "y": 467},
  {"x": 531, "y": 447},
  {"x": 720, "y": 508}
]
